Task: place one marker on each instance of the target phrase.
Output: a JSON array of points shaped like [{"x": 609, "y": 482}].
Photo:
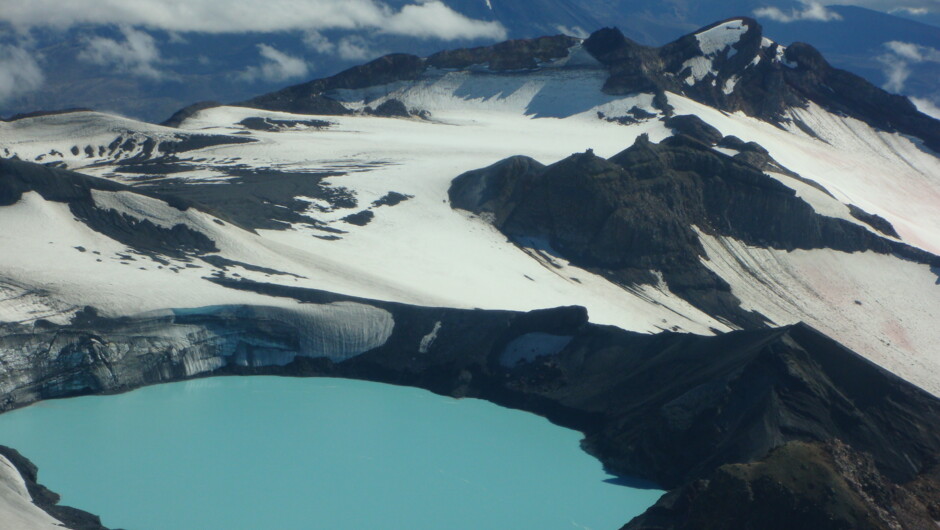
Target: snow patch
[
  {"x": 699, "y": 67},
  {"x": 428, "y": 340},
  {"x": 722, "y": 36},
  {"x": 729, "y": 85}
]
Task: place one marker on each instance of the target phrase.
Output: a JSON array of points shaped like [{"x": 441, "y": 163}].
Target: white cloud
[
  {"x": 277, "y": 66},
  {"x": 317, "y": 42},
  {"x": 916, "y": 11},
  {"x": 897, "y": 71},
  {"x": 137, "y": 54},
  {"x": 927, "y": 107},
  {"x": 811, "y": 10},
  {"x": 354, "y": 47},
  {"x": 914, "y": 52},
  {"x": 892, "y": 5},
  {"x": 574, "y": 31},
  {"x": 436, "y": 20},
  {"x": 350, "y": 47},
  {"x": 900, "y": 55},
  {"x": 19, "y": 72},
  {"x": 427, "y": 19}
]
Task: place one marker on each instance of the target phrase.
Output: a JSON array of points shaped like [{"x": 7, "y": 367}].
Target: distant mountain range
[{"x": 898, "y": 53}]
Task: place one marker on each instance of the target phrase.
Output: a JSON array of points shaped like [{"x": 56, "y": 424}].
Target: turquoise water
[{"x": 285, "y": 453}]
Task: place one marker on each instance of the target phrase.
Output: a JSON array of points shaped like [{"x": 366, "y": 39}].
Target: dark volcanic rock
[
  {"x": 877, "y": 222},
  {"x": 391, "y": 198},
  {"x": 634, "y": 115},
  {"x": 523, "y": 54},
  {"x": 635, "y": 213},
  {"x": 390, "y": 108},
  {"x": 694, "y": 127},
  {"x": 359, "y": 218},
  {"x": 273, "y": 125},
  {"x": 256, "y": 197},
  {"x": 798, "y": 485}
]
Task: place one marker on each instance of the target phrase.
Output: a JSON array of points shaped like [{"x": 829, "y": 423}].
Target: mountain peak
[{"x": 728, "y": 34}]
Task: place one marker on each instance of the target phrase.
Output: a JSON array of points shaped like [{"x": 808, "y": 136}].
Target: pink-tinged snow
[
  {"x": 882, "y": 173},
  {"x": 882, "y": 307}
]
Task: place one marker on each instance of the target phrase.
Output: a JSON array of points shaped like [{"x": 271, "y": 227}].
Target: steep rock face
[
  {"x": 732, "y": 398},
  {"x": 636, "y": 214},
  {"x": 798, "y": 485},
  {"x": 731, "y": 66}
]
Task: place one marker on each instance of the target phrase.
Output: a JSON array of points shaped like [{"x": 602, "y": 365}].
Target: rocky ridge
[{"x": 637, "y": 214}]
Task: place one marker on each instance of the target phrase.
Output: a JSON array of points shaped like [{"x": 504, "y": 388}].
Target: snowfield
[
  {"x": 421, "y": 251},
  {"x": 16, "y": 504}
]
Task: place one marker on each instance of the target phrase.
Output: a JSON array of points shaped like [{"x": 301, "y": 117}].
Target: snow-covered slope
[
  {"x": 16, "y": 505},
  {"x": 418, "y": 251},
  {"x": 361, "y": 207}
]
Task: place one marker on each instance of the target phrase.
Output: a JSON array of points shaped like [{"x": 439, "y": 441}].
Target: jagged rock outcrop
[
  {"x": 798, "y": 485},
  {"x": 637, "y": 213}
]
